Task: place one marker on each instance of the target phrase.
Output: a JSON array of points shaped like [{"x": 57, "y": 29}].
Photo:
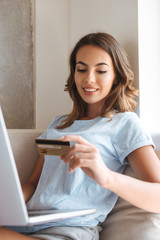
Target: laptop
[{"x": 13, "y": 211}]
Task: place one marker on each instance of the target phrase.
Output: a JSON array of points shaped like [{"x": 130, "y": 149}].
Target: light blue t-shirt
[{"x": 59, "y": 189}]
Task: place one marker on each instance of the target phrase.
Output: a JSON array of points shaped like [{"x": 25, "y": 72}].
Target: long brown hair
[{"x": 122, "y": 96}]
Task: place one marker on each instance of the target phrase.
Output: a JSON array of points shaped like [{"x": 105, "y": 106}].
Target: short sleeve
[{"x": 130, "y": 136}]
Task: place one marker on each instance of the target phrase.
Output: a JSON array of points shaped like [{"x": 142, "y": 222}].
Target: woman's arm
[
  {"x": 30, "y": 186},
  {"x": 143, "y": 192}
]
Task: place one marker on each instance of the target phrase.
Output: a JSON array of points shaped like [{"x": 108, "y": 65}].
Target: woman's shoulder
[
  {"x": 126, "y": 121},
  {"x": 129, "y": 122},
  {"x": 126, "y": 116}
]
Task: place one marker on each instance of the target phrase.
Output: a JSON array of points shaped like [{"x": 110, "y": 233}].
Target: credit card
[{"x": 52, "y": 147}]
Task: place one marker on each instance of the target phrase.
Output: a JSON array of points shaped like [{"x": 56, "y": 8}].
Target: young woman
[{"x": 105, "y": 135}]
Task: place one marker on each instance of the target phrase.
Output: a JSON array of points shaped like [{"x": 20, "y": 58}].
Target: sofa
[{"x": 125, "y": 222}]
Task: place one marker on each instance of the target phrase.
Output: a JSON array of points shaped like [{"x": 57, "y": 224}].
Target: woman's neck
[
  {"x": 88, "y": 118},
  {"x": 91, "y": 115}
]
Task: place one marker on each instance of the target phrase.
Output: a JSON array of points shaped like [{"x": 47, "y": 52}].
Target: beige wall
[
  {"x": 59, "y": 24},
  {"x": 51, "y": 55}
]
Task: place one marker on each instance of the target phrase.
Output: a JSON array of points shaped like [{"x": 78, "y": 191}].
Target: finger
[
  {"x": 66, "y": 160},
  {"x": 77, "y": 156},
  {"x": 78, "y": 160},
  {"x": 75, "y": 138},
  {"x": 78, "y": 148},
  {"x": 80, "y": 163}
]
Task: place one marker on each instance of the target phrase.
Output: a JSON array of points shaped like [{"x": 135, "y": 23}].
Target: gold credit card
[{"x": 52, "y": 147}]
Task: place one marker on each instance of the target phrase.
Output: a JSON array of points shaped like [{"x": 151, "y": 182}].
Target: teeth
[{"x": 90, "y": 90}]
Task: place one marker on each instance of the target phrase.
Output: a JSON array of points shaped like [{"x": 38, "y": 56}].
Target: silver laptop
[{"x": 13, "y": 210}]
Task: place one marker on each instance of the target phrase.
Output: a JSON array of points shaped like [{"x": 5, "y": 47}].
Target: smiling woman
[{"x": 90, "y": 173}]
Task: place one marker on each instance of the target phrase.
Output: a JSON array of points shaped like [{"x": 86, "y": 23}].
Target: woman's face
[{"x": 94, "y": 74}]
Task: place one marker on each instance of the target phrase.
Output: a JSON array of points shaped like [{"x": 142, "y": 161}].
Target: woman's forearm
[
  {"x": 28, "y": 190},
  {"x": 142, "y": 194}
]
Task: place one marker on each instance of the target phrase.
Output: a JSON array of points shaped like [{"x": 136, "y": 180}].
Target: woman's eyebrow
[
  {"x": 98, "y": 64},
  {"x": 102, "y": 63},
  {"x": 82, "y": 63}
]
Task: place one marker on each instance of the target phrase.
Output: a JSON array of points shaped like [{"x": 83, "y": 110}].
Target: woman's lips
[{"x": 90, "y": 91}]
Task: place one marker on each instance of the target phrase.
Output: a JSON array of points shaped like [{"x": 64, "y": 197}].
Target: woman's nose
[{"x": 90, "y": 78}]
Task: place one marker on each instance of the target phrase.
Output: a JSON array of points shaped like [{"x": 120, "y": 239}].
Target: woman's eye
[
  {"x": 101, "y": 72},
  {"x": 81, "y": 70}
]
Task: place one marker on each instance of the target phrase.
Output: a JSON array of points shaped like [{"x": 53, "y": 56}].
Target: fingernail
[{"x": 61, "y": 137}]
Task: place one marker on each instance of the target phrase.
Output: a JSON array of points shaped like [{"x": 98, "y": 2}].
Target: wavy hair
[{"x": 122, "y": 96}]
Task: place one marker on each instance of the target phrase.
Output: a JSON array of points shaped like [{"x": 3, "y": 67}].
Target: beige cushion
[
  {"x": 24, "y": 150},
  {"x": 126, "y": 222}
]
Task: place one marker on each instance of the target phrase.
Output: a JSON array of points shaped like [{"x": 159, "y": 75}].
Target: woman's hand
[{"x": 86, "y": 156}]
